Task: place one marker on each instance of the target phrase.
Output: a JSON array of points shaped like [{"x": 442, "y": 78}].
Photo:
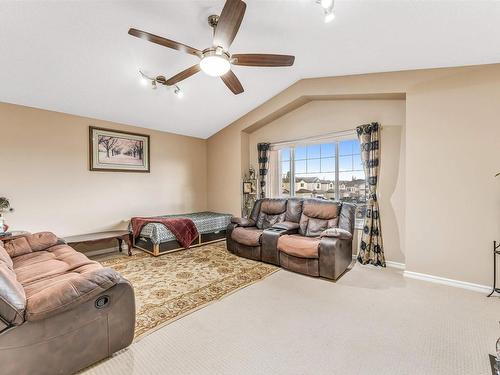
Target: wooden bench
[{"x": 120, "y": 235}]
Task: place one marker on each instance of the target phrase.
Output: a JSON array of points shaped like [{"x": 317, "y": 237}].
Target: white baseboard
[
  {"x": 390, "y": 264},
  {"x": 397, "y": 265},
  {"x": 450, "y": 282}
]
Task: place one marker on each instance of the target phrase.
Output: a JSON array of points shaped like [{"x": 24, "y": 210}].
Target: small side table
[
  {"x": 12, "y": 235},
  {"x": 496, "y": 252},
  {"x": 120, "y": 235}
]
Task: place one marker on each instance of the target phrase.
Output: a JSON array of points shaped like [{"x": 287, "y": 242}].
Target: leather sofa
[
  {"x": 310, "y": 236},
  {"x": 59, "y": 311}
]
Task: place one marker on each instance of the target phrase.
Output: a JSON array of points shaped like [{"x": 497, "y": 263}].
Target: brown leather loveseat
[
  {"x": 59, "y": 311},
  {"x": 309, "y": 236}
]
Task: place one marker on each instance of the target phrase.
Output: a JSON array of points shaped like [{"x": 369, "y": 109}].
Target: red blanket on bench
[{"x": 183, "y": 229}]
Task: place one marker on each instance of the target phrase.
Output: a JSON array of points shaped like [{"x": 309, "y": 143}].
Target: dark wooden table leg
[
  {"x": 120, "y": 242},
  {"x": 130, "y": 241}
]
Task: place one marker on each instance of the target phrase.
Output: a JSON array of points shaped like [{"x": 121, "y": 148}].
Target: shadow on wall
[{"x": 391, "y": 192}]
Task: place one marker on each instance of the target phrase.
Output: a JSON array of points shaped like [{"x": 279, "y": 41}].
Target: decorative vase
[{"x": 2, "y": 230}]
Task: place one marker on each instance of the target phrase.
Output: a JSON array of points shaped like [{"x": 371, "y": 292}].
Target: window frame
[{"x": 291, "y": 162}]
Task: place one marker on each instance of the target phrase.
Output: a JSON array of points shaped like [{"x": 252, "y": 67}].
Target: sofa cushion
[
  {"x": 247, "y": 236},
  {"x": 299, "y": 246},
  {"x": 272, "y": 211},
  {"x": 30, "y": 243},
  {"x": 317, "y": 216},
  {"x": 293, "y": 209},
  {"x": 58, "y": 278},
  {"x": 54, "y": 295},
  {"x": 273, "y": 206},
  {"x": 321, "y": 209},
  {"x": 12, "y": 296}
]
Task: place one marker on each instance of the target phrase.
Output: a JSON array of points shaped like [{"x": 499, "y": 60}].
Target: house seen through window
[{"x": 330, "y": 170}]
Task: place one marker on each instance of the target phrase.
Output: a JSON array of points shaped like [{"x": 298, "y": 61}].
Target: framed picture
[
  {"x": 118, "y": 151},
  {"x": 247, "y": 187}
]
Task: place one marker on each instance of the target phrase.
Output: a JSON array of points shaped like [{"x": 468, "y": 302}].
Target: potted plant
[{"x": 4, "y": 207}]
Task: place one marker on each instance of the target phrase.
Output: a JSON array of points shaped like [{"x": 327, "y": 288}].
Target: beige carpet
[
  {"x": 370, "y": 322},
  {"x": 175, "y": 284}
]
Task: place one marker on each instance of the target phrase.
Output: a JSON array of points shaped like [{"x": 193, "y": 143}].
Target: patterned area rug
[{"x": 175, "y": 284}]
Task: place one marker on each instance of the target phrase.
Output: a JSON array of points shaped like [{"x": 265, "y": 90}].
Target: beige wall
[
  {"x": 45, "y": 173},
  {"x": 452, "y": 202},
  {"x": 326, "y": 116}
]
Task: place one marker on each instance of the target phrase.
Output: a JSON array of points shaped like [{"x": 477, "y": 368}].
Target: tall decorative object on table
[
  {"x": 249, "y": 192},
  {"x": 4, "y": 208}
]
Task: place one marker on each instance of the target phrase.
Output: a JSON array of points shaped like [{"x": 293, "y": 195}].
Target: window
[{"x": 331, "y": 170}]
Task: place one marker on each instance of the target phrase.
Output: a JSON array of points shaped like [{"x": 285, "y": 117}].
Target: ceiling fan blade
[
  {"x": 164, "y": 42},
  {"x": 183, "y": 75},
  {"x": 260, "y": 59},
  {"x": 229, "y": 23},
  {"x": 232, "y": 82}
]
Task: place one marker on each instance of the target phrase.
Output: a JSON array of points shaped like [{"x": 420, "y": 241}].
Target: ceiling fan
[{"x": 216, "y": 60}]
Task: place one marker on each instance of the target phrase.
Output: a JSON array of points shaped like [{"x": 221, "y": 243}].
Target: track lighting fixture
[
  {"x": 178, "y": 92},
  {"x": 327, "y": 6},
  {"x": 145, "y": 79}
]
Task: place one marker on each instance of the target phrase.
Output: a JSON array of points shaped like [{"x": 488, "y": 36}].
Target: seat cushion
[
  {"x": 56, "y": 279},
  {"x": 12, "y": 296},
  {"x": 299, "y": 246},
  {"x": 249, "y": 236}
]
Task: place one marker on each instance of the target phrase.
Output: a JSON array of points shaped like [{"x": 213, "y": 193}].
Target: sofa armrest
[
  {"x": 243, "y": 222},
  {"x": 67, "y": 294},
  {"x": 337, "y": 233},
  {"x": 270, "y": 237},
  {"x": 289, "y": 226},
  {"x": 335, "y": 256}
]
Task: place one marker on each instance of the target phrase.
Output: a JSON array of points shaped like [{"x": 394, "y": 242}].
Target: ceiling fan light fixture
[{"x": 215, "y": 63}]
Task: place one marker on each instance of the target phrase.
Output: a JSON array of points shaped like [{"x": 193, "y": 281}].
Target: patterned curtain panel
[
  {"x": 371, "y": 248},
  {"x": 263, "y": 149}
]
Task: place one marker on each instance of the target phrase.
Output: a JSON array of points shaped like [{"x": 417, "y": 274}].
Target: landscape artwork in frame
[{"x": 117, "y": 151}]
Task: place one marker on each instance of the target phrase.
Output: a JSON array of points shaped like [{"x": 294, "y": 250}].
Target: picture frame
[
  {"x": 118, "y": 151},
  {"x": 247, "y": 187}
]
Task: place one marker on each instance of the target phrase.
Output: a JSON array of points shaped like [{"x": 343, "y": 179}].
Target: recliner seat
[
  {"x": 244, "y": 235},
  {"x": 59, "y": 311},
  {"x": 311, "y": 236}
]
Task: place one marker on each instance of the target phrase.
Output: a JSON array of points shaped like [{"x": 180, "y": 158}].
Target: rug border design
[{"x": 229, "y": 284}]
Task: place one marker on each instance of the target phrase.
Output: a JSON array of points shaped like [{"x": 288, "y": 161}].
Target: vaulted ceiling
[{"x": 76, "y": 56}]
